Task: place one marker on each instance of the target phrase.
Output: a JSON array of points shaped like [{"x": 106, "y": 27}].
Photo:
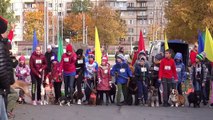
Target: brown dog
[
  {"x": 22, "y": 85},
  {"x": 176, "y": 99}
]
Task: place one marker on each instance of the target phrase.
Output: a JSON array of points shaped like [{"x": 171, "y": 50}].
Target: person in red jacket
[
  {"x": 104, "y": 80},
  {"x": 55, "y": 77},
  {"x": 38, "y": 64},
  {"x": 193, "y": 54},
  {"x": 69, "y": 71},
  {"x": 166, "y": 73}
]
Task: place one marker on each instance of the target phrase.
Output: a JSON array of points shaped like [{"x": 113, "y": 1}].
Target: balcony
[
  {"x": 142, "y": 17},
  {"x": 141, "y": 1},
  {"x": 137, "y": 8}
]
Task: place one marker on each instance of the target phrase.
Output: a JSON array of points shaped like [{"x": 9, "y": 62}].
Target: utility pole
[
  {"x": 86, "y": 35},
  {"x": 45, "y": 25}
]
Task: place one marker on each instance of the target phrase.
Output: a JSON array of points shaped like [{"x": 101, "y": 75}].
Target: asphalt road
[{"x": 111, "y": 112}]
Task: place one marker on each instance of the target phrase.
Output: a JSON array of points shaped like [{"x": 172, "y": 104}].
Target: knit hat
[
  {"x": 80, "y": 52},
  {"x": 49, "y": 47},
  {"x": 121, "y": 56},
  {"x": 104, "y": 59},
  {"x": 201, "y": 56},
  {"x": 54, "y": 58},
  {"x": 142, "y": 59},
  {"x": 91, "y": 55},
  {"x": 159, "y": 57},
  {"x": 69, "y": 48},
  {"x": 22, "y": 58},
  {"x": 3, "y": 25}
]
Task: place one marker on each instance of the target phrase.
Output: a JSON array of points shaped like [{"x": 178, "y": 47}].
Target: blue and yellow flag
[{"x": 208, "y": 46}]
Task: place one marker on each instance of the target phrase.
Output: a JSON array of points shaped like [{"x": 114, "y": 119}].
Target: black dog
[
  {"x": 194, "y": 98},
  {"x": 112, "y": 93},
  {"x": 132, "y": 90}
]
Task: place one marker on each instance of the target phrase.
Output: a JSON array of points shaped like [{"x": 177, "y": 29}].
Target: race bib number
[
  {"x": 156, "y": 68},
  {"x": 105, "y": 71},
  {"x": 122, "y": 70},
  {"x": 23, "y": 71},
  {"x": 52, "y": 58},
  {"x": 80, "y": 61},
  {"x": 178, "y": 69},
  {"x": 66, "y": 59},
  {"x": 167, "y": 68},
  {"x": 143, "y": 69},
  {"x": 38, "y": 61},
  {"x": 198, "y": 69}
]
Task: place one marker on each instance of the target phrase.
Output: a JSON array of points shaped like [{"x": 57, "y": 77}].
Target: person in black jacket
[
  {"x": 49, "y": 55},
  {"x": 80, "y": 66},
  {"x": 6, "y": 70}
]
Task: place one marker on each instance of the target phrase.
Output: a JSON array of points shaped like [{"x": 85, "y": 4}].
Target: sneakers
[
  {"x": 79, "y": 102},
  {"x": 34, "y": 102}
]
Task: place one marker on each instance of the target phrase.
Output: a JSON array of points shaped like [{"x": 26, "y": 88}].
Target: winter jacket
[
  {"x": 49, "y": 57},
  {"x": 22, "y": 72},
  {"x": 104, "y": 78},
  {"x": 154, "y": 70},
  {"x": 122, "y": 72},
  {"x": 90, "y": 69},
  {"x": 80, "y": 66},
  {"x": 56, "y": 71},
  {"x": 198, "y": 72},
  {"x": 6, "y": 66},
  {"x": 142, "y": 73},
  {"x": 180, "y": 68},
  {"x": 167, "y": 69},
  {"x": 68, "y": 62},
  {"x": 192, "y": 56},
  {"x": 37, "y": 62}
]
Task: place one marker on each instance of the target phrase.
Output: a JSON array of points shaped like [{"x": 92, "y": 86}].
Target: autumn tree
[
  {"x": 5, "y": 10},
  {"x": 187, "y": 17},
  {"x": 34, "y": 20}
]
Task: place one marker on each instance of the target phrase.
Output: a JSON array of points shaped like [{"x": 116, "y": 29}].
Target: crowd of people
[{"x": 83, "y": 76}]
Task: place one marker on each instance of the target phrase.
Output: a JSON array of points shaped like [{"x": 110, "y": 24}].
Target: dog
[
  {"x": 153, "y": 99},
  {"x": 77, "y": 96},
  {"x": 19, "y": 84},
  {"x": 93, "y": 99},
  {"x": 176, "y": 99},
  {"x": 132, "y": 90},
  {"x": 194, "y": 98},
  {"x": 112, "y": 93},
  {"x": 65, "y": 101}
]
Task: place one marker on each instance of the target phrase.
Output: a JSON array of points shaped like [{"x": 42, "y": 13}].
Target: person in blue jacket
[
  {"x": 122, "y": 74},
  {"x": 181, "y": 72}
]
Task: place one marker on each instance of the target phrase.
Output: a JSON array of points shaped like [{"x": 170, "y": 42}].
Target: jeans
[
  {"x": 78, "y": 83},
  {"x": 69, "y": 85},
  {"x": 167, "y": 85},
  {"x": 36, "y": 84},
  {"x": 122, "y": 88},
  {"x": 3, "y": 113},
  {"x": 142, "y": 90}
]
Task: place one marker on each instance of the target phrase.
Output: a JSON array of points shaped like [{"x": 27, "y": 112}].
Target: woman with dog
[
  {"x": 143, "y": 81},
  {"x": 80, "y": 66},
  {"x": 104, "y": 80},
  {"x": 122, "y": 74},
  {"x": 68, "y": 61},
  {"x": 38, "y": 64},
  {"x": 91, "y": 69},
  {"x": 22, "y": 72}
]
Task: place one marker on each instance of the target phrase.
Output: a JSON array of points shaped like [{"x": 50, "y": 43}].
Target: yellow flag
[
  {"x": 166, "y": 42},
  {"x": 208, "y": 48},
  {"x": 98, "y": 53}
]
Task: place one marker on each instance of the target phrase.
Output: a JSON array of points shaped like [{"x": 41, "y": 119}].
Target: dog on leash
[
  {"x": 112, "y": 93},
  {"x": 153, "y": 99},
  {"x": 19, "y": 84},
  {"x": 194, "y": 98},
  {"x": 176, "y": 99},
  {"x": 132, "y": 90}
]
